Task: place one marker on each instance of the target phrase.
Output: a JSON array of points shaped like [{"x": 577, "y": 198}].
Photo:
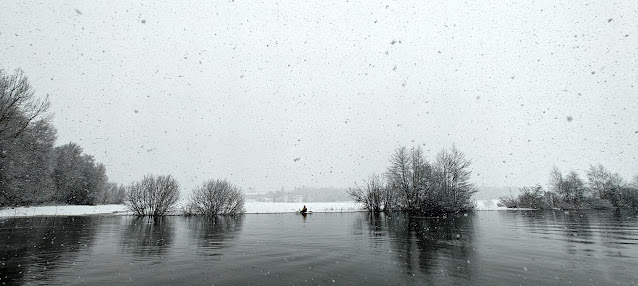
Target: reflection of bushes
[
  {"x": 37, "y": 245},
  {"x": 429, "y": 239},
  {"x": 217, "y": 228},
  {"x": 211, "y": 232},
  {"x": 148, "y": 235}
]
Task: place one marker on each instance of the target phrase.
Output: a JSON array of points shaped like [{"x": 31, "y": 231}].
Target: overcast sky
[{"x": 292, "y": 93}]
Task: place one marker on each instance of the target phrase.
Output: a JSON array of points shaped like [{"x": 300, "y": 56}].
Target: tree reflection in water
[
  {"x": 148, "y": 236},
  {"x": 32, "y": 247},
  {"x": 582, "y": 229},
  {"x": 213, "y": 233},
  {"x": 429, "y": 245}
]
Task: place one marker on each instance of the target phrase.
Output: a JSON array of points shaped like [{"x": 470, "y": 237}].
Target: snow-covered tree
[
  {"x": 77, "y": 177},
  {"x": 26, "y": 166}
]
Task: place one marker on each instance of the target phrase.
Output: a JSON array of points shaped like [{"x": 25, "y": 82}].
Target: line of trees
[
  {"x": 415, "y": 185},
  {"x": 601, "y": 190},
  {"x": 32, "y": 170}
]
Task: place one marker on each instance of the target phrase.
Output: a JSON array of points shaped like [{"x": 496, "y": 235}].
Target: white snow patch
[
  {"x": 63, "y": 210},
  {"x": 488, "y": 205}
]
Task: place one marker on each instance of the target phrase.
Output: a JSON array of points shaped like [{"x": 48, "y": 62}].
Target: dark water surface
[{"x": 481, "y": 248}]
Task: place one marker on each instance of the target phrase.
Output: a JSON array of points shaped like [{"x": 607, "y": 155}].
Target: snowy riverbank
[{"x": 251, "y": 207}]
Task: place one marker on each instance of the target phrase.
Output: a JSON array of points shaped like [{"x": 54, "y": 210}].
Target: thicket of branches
[
  {"x": 216, "y": 197},
  {"x": 603, "y": 189},
  {"x": 371, "y": 194},
  {"x": 152, "y": 196},
  {"x": 32, "y": 170},
  {"x": 413, "y": 184}
]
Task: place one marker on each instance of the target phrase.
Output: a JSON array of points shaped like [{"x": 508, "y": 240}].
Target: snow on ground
[
  {"x": 488, "y": 205},
  {"x": 63, "y": 210},
  {"x": 251, "y": 207}
]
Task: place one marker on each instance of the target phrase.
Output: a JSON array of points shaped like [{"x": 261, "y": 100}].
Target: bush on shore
[
  {"x": 152, "y": 196},
  {"x": 602, "y": 190},
  {"x": 215, "y": 197}
]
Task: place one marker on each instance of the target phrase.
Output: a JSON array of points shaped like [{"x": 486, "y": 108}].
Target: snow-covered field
[
  {"x": 63, "y": 210},
  {"x": 251, "y": 207}
]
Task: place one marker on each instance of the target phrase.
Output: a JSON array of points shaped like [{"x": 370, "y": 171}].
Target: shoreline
[{"x": 250, "y": 208}]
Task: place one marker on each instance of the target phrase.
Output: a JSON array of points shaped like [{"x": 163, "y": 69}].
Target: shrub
[
  {"x": 533, "y": 197},
  {"x": 508, "y": 201},
  {"x": 216, "y": 197},
  {"x": 530, "y": 197},
  {"x": 629, "y": 197},
  {"x": 372, "y": 194},
  {"x": 596, "y": 203},
  {"x": 153, "y": 196}
]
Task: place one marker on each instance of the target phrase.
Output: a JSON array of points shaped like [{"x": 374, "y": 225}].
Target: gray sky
[{"x": 240, "y": 89}]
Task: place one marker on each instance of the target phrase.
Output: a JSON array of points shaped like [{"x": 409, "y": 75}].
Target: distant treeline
[
  {"x": 304, "y": 194},
  {"x": 602, "y": 190},
  {"x": 32, "y": 170},
  {"x": 415, "y": 185}
]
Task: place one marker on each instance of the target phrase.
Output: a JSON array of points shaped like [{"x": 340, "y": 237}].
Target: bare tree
[
  {"x": 18, "y": 105},
  {"x": 399, "y": 178},
  {"x": 598, "y": 179},
  {"x": 452, "y": 181},
  {"x": 216, "y": 197},
  {"x": 530, "y": 197},
  {"x": 630, "y": 194},
  {"x": 26, "y": 143},
  {"x": 605, "y": 185},
  {"x": 404, "y": 175},
  {"x": 575, "y": 188},
  {"x": 570, "y": 188},
  {"x": 152, "y": 196},
  {"x": 416, "y": 185},
  {"x": 371, "y": 194},
  {"x": 557, "y": 183}
]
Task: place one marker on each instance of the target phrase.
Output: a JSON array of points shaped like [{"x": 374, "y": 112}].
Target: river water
[{"x": 479, "y": 248}]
